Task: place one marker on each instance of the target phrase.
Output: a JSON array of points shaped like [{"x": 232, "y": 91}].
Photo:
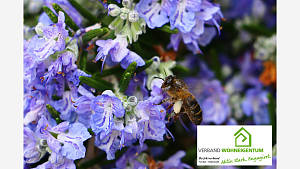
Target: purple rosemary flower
[
  {"x": 34, "y": 148},
  {"x": 57, "y": 161},
  {"x": 118, "y": 52},
  {"x": 44, "y": 19},
  {"x": 63, "y": 65},
  {"x": 151, "y": 121},
  {"x": 53, "y": 39},
  {"x": 137, "y": 87},
  {"x": 73, "y": 147},
  {"x": 64, "y": 141},
  {"x": 209, "y": 14},
  {"x": 175, "y": 161},
  {"x": 113, "y": 141},
  {"x": 129, "y": 158},
  {"x": 256, "y": 104},
  {"x": 155, "y": 13},
  {"x": 212, "y": 99},
  {"x": 183, "y": 14},
  {"x": 104, "y": 108},
  {"x": 34, "y": 106},
  {"x": 157, "y": 95},
  {"x": 65, "y": 107},
  {"x": 83, "y": 106}
]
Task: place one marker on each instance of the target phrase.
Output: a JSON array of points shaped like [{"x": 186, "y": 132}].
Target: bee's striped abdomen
[{"x": 193, "y": 110}]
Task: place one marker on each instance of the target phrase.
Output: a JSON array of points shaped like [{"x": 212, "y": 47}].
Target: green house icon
[{"x": 242, "y": 138}]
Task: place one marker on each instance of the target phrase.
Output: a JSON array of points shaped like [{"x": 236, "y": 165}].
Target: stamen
[
  {"x": 42, "y": 78},
  {"x": 168, "y": 132},
  {"x": 100, "y": 104},
  {"x": 62, "y": 73}
]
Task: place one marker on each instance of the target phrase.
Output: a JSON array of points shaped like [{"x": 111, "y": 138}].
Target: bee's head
[{"x": 168, "y": 82}]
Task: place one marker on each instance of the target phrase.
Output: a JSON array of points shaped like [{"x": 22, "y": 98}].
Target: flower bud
[
  {"x": 127, "y": 3},
  {"x": 133, "y": 16},
  {"x": 124, "y": 13},
  {"x": 113, "y": 10},
  {"x": 132, "y": 101},
  {"x": 43, "y": 142}
]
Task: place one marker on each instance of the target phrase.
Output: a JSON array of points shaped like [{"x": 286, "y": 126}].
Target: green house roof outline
[{"x": 237, "y": 135}]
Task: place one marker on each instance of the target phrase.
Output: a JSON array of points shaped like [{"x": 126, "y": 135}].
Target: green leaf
[
  {"x": 68, "y": 19},
  {"x": 50, "y": 14},
  {"x": 114, "y": 70},
  {"x": 99, "y": 84},
  {"x": 85, "y": 13},
  {"x": 83, "y": 60},
  {"x": 94, "y": 33},
  {"x": 167, "y": 28},
  {"x": 54, "y": 113},
  {"x": 147, "y": 64},
  {"x": 127, "y": 75}
]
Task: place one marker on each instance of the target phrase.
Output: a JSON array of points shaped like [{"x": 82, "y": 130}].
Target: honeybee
[{"x": 181, "y": 99}]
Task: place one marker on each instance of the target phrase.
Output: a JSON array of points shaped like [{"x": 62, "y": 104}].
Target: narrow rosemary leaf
[
  {"x": 83, "y": 60},
  {"x": 181, "y": 71},
  {"x": 107, "y": 72},
  {"x": 94, "y": 33},
  {"x": 127, "y": 75},
  {"x": 142, "y": 68},
  {"x": 167, "y": 28},
  {"x": 54, "y": 113},
  {"x": 85, "y": 13},
  {"x": 50, "y": 14},
  {"x": 68, "y": 19},
  {"x": 97, "y": 84}
]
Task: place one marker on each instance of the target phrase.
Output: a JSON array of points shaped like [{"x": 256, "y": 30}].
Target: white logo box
[{"x": 234, "y": 145}]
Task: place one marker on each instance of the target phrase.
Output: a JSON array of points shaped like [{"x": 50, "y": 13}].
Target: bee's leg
[
  {"x": 164, "y": 100},
  {"x": 171, "y": 105}
]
